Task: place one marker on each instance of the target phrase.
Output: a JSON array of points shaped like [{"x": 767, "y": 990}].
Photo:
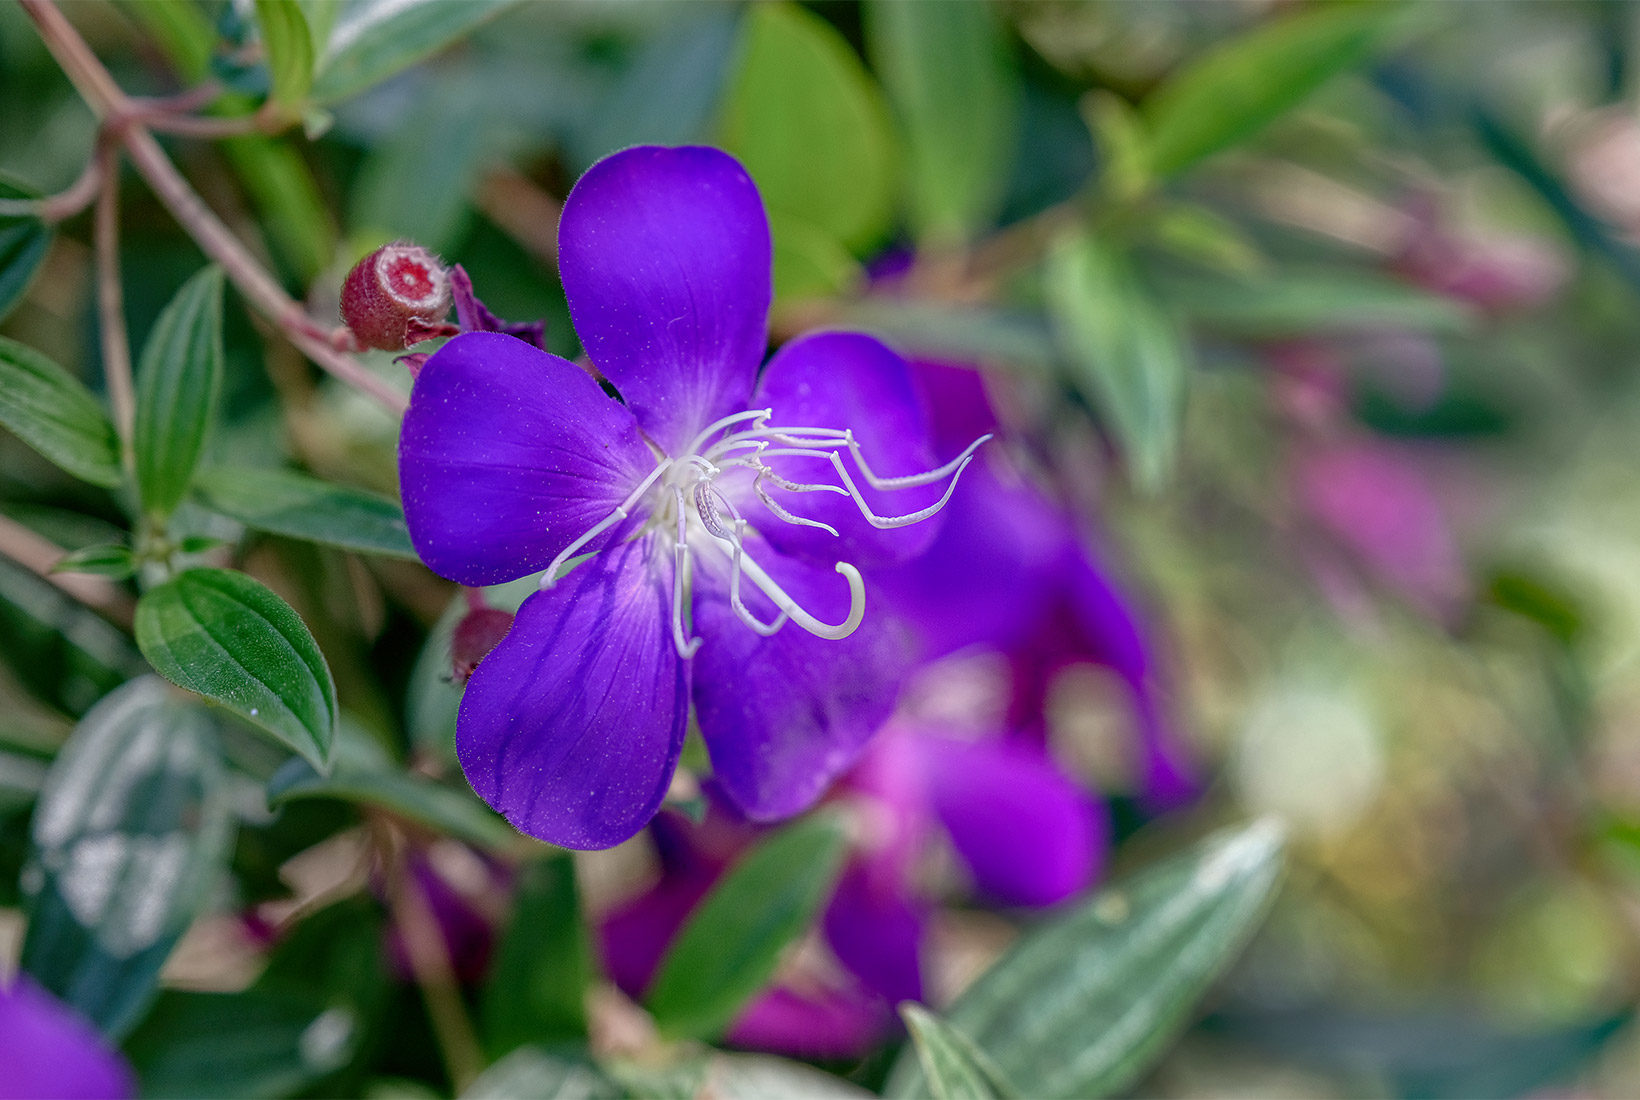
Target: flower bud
[
  {"x": 397, "y": 296},
  {"x": 477, "y": 633}
]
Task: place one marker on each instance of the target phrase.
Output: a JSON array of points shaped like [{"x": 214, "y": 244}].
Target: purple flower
[
  {"x": 50, "y": 1052},
  {"x": 719, "y": 503}
]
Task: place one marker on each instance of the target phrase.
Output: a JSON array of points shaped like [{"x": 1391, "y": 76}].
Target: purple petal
[
  {"x": 636, "y": 935},
  {"x": 849, "y": 380},
  {"x": 959, "y": 407},
  {"x": 783, "y": 716},
  {"x": 667, "y": 265},
  {"x": 1168, "y": 777},
  {"x": 819, "y": 1023},
  {"x": 875, "y": 930},
  {"x": 571, "y": 727},
  {"x": 1029, "y": 835},
  {"x": 50, "y": 1052},
  {"x": 1108, "y": 626},
  {"x": 507, "y": 455}
]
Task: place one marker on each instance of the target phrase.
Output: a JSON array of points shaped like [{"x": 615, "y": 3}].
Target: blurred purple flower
[
  {"x": 711, "y": 490},
  {"x": 50, "y": 1052},
  {"x": 1025, "y": 834}
]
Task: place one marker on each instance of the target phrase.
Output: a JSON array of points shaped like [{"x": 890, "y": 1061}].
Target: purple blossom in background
[
  {"x": 50, "y": 1052},
  {"x": 1024, "y": 833},
  {"x": 723, "y": 506}
]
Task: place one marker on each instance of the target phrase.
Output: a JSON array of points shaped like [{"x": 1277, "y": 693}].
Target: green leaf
[
  {"x": 219, "y": 1046},
  {"x": 284, "y": 502},
  {"x": 538, "y": 982},
  {"x": 540, "y": 1076},
  {"x": 804, "y": 117},
  {"x": 972, "y": 334},
  {"x": 1236, "y": 88},
  {"x": 54, "y": 413},
  {"x": 288, "y": 201},
  {"x": 373, "y": 39},
  {"x": 21, "y": 777},
  {"x": 955, "y": 1068},
  {"x": 363, "y": 774},
  {"x": 1300, "y": 300},
  {"x": 1125, "y": 352},
  {"x": 953, "y": 81},
  {"x": 289, "y": 46},
  {"x": 731, "y": 944},
  {"x": 810, "y": 262},
  {"x": 23, "y": 244},
  {"x": 178, "y": 381},
  {"x": 1082, "y": 1005},
  {"x": 129, "y": 836},
  {"x": 224, "y": 635},
  {"x": 61, "y": 650},
  {"x": 111, "y": 560}
]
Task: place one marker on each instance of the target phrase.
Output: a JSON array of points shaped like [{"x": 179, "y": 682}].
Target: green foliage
[
  {"x": 953, "y": 1067},
  {"x": 117, "y": 562},
  {"x": 179, "y": 380},
  {"x": 288, "y": 42},
  {"x": 55, "y": 414},
  {"x": 1298, "y": 301},
  {"x": 543, "y": 965},
  {"x": 229, "y": 638},
  {"x": 731, "y": 944},
  {"x": 61, "y": 651},
  {"x": 23, "y": 244},
  {"x": 370, "y": 40},
  {"x": 284, "y": 502},
  {"x": 129, "y": 839}
]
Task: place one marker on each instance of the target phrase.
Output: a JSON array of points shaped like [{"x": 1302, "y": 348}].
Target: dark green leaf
[
  {"x": 61, "y": 650},
  {"x": 363, "y": 774},
  {"x": 178, "y": 381},
  {"x": 224, "y": 635},
  {"x": 1126, "y": 353},
  {"x": 23, "y": 244},
  {"x": 1082, "y": 1005},
  {"x": 731, "y": 944},
  {"x": 1303, "y": 300},
  {"x": 373, "y": 39},
  {"x": 54, "y": 413},
  {"x": 539, "y": 979},
  {"x": 953, "y": 1066},
  {"x": 129, "y": 836},
  {"x": 21, "y": 777},
  {"x": 955, "y": 86},
  {"x": 804, "y": 117},
  {"x": 288, "y": 202},
  {"x": 1237, "y": 88},
  {"x": 106, "y": 561},
  {"x": 284, "y": 502},
  {"x": 288, "y": 44},
  {"x": 540, "y": 1076}
]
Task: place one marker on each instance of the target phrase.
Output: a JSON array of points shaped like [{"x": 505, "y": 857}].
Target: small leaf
[
  {"x": 178, "y": 381},
  {"x": 810, "y": 262},
  {"x": 129, "y": 836},
  {"x": 540, "y": 1076},
  {"x": 224, "y": 635},
  {"x": 284, "y": 502},
  {"x": 954, "y": 83},
  {"x": 955, "y": 1068},
  {"x": 538, "y": 982},
  {"x": 53, "y": 412},
  {"x": 729, "y": 947},
  {"x": 105, "y": 561},
  {"x": 373, "y": 39},
  {"x": 804, "y": 117},
  {"x": 363, "y": 774},
  {"x": 1082, "y": 1005},
  {"x": 61, "y": 651},
  {"x": 1238, "y": 87},
  {"x": 1300, "y": 300},
  {"x": 1125, "y": 352},
  {"x": 23, "y": 244},
  {"x": 288, "y": 44}
]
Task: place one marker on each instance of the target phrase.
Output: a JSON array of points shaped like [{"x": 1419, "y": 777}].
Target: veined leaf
[
  {"x": 288, "y": 43},
  {"x": 284, "y": 502},
  {"x": 729, "y": 947},
  {"x": 53, "y": 412},
  {"x": 229, "y": 638},
  {"x": 1237, "y": 88},
  {"x": 1082, "y": 1005},
  {"x": 129, "y": 835},
  {"x": 105, "y": 560},
  {"x": 23, "y": 244},
  {"x": 371, "y": 40},
  {"x": 954, "y": 1067},
  {"x": 178, "y": 382}
]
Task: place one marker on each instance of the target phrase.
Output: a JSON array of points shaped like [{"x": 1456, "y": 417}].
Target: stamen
[
  {"x": 718, "y": 425},
  {"x": 707, "y": 506},
  {"x": 781, "y": 513},
  {"x": 687, "y": 647},
  {"x": 622, "y": 510},
  {"x": 908, "y": 481},
  {"x": 790, "y": 607},
  {"x": 735, "y": 601},
  {"x": 884, "y": 523}
]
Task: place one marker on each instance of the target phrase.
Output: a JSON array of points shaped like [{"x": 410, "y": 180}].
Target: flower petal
[
  {"x": 49, "y": 1050},
  {"x": 849, "y": 380},
  {"x": 667, "y": 265},
  {"x": 783, "y": 716},
  {"x": 635, "y": 937},
  {"x": 572, "y": 726},
  {"x": 507, "y": 455},
  {"x": 845, "y": 1022},
  {"x": 875, "y": 930},
  {"x": 1029, "y": 835}
]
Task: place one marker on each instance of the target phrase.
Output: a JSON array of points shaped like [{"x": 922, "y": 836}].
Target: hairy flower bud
[
  {"x": 477, "y": 633},
  {"x": 397, "y": 296}
]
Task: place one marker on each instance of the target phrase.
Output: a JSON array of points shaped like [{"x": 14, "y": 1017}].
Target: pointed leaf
[
  {"x": 23, "y": 244},
  {"x": 538, "y": 983},
  {"x": 62, "y": 651},
  {"x": 728, "y": 949},
  {"x": 110, "y": 560},
  {"x": 52, "y": 411},
  {"x": 371, "y": 40},
  {"x": 288, "y": 44},
  {"x": 178, "y": 381},
  {"x": 540, "y": 1076},
  {"x": 1082, "y": 1005},
  {"x": 129, "y": 836},
  {"x": 224, "y": 635},
  {"x": 284, "y": 502},
  {"x": 954, "y": 1067}
]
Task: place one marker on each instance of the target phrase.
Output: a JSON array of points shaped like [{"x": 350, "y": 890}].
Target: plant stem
[
  {"x": 38, "y": 554},
  {"x": 116, "y": 344},
  {"x": 124, "y": 117}
]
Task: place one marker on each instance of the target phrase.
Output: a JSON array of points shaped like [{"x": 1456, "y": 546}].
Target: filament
[{"x": 622, "y": 510}]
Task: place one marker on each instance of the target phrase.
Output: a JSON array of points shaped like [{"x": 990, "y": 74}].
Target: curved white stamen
[
  {"x": 687, "y": 647},
  {"x": 790, "y": 607},
  {"x": 735, "y": 601},
  {"x": 908, "y": 481},
  {"x": 718, "y": 425},
  {"x": 781, "y": 513},
  {"x": 622, "y": 510}
]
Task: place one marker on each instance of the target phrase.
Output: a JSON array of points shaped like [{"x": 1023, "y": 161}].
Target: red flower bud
[
  {"x": 397, "y": 296},
  {"x": 478, "y": 633}
]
